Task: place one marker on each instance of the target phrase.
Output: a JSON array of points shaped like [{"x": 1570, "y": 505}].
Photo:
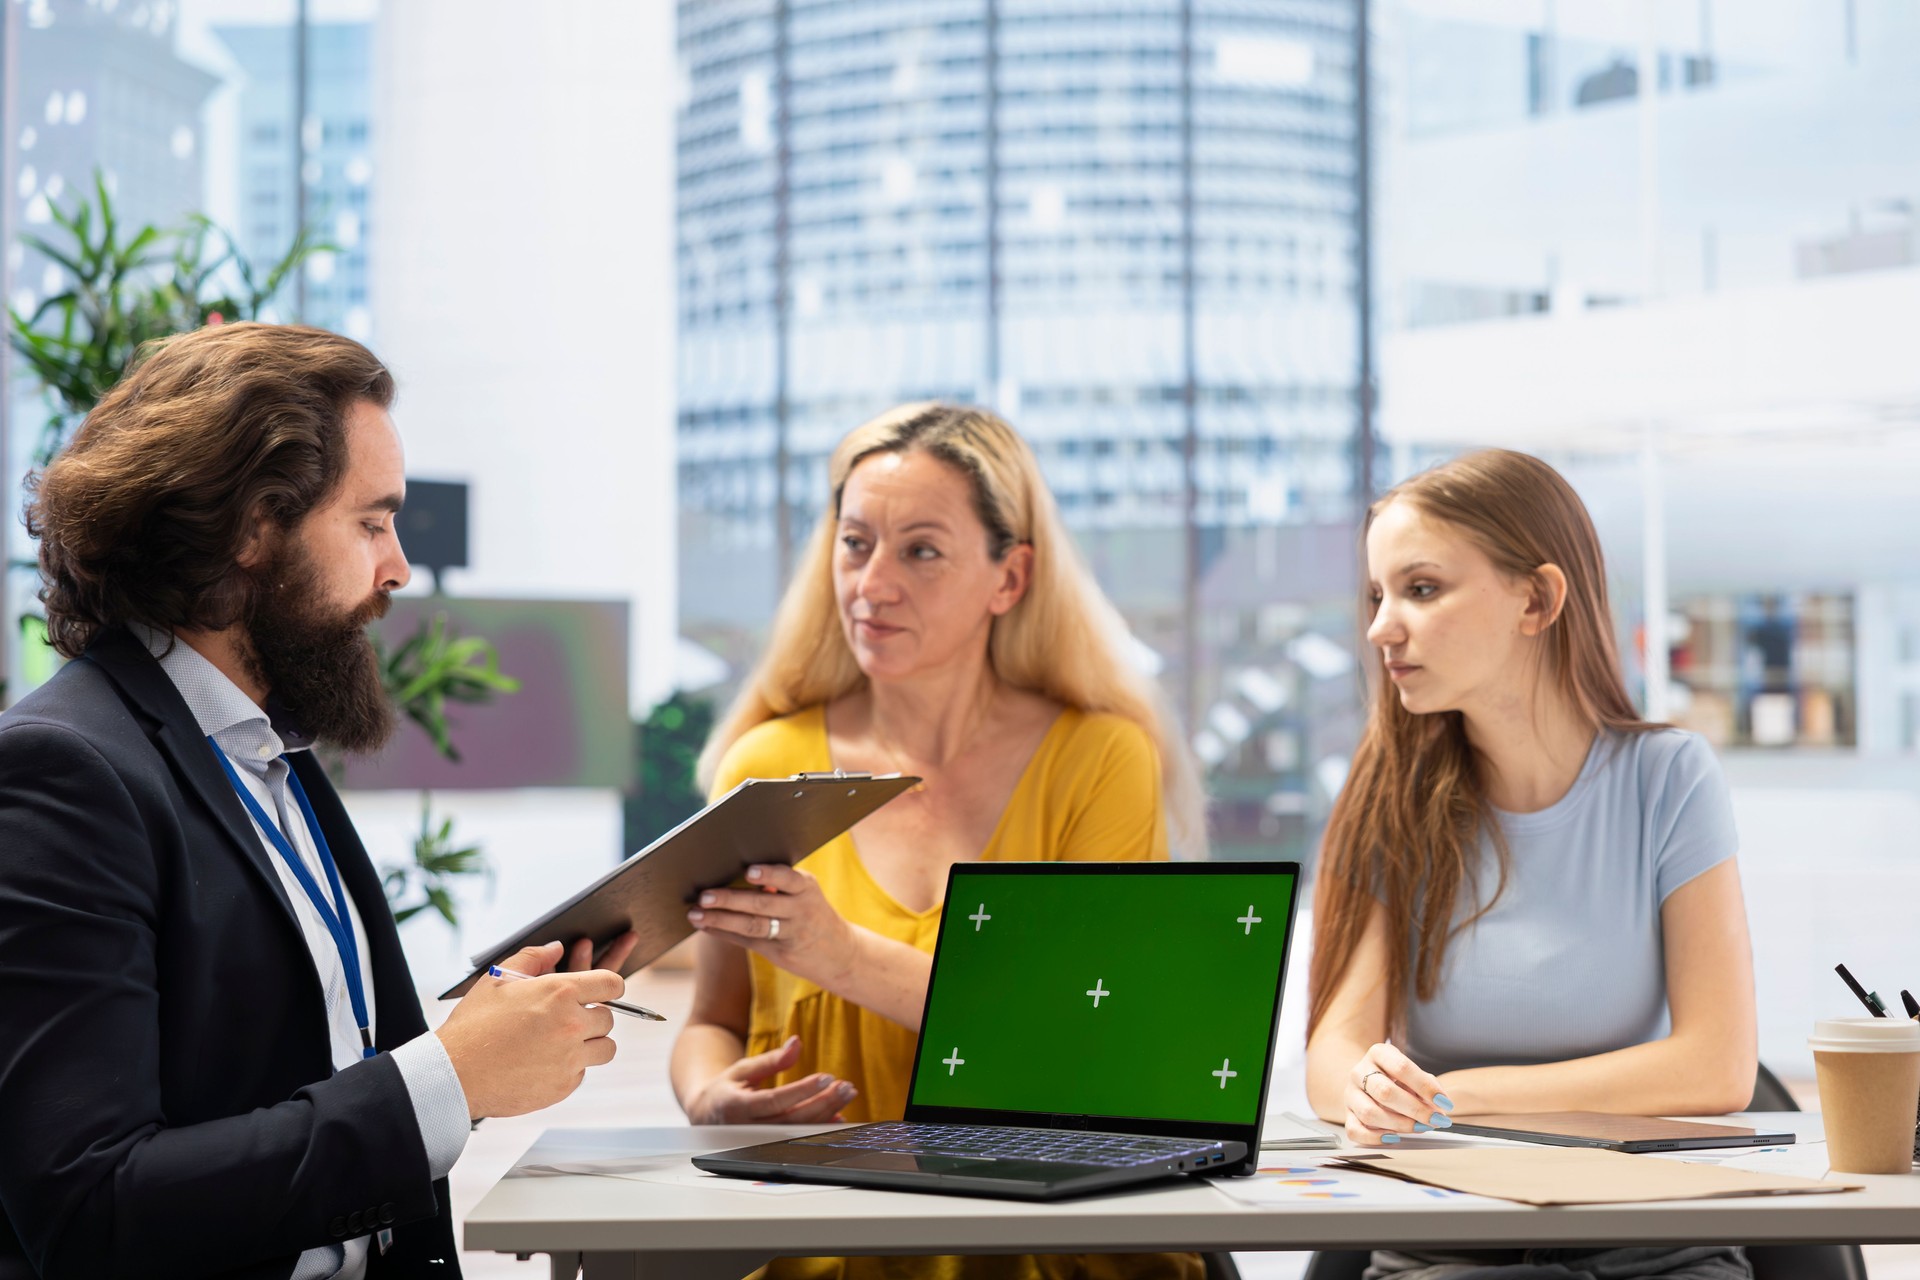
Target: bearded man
[{"x": 212, "y": 1057}]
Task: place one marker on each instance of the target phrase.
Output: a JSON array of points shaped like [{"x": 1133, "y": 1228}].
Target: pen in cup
[
  {"x": 1912, "y": 1005},
  {"x": 1866, "y": 998},
  {"x": 619, "y": 1006}
]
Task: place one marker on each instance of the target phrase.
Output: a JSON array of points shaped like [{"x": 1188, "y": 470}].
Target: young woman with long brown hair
[{"x": 1527, "y": 896}]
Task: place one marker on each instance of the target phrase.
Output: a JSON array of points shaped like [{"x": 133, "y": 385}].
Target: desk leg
[{"x": 663, "y": 1266}]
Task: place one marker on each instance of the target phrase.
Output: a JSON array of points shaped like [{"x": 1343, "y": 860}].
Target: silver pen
[{"x": 618, "y": 1006}]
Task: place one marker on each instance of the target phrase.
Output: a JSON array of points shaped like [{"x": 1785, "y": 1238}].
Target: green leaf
[
  {"x": 157, "y": 281},
  {"x": 51, "y": 254},
  {"x": 434, "y": 666},
  {"x": 435, "y": 864}
]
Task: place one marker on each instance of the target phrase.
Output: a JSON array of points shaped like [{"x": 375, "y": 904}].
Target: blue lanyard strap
[{"x": 334, "y": 915}]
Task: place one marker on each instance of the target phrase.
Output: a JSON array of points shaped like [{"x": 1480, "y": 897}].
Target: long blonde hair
[
  {"x": 1405, "y": 829},
  {"x": 1064, "y": 640}
]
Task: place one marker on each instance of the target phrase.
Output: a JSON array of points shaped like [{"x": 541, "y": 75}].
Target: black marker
[
  {"x": 1874, "y": 1007},
  {"x": 1913, "y": 1006}
]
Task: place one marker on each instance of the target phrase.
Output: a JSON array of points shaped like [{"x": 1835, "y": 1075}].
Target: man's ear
[
  {"x": 258, "y": 547},
  {"x": 1016, "y": 575},
  {"x": 1546, "y": 601}
]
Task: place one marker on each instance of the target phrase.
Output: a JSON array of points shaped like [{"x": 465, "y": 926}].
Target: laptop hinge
[{"x": 1066, "y": 1122}]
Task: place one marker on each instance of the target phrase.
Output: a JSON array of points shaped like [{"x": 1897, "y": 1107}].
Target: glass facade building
[
  {"x": 1130, "y": 228},
  {"x": 338, "y": 162}
]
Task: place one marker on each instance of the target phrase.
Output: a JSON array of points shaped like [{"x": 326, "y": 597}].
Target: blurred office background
[{"x": 1232, "y": 265}]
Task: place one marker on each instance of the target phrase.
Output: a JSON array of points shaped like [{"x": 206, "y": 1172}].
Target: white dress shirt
[{"x": 255, "y": 745}]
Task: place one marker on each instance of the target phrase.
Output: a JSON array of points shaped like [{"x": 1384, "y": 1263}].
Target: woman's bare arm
[
  {"x": 788, "y": 920},
  {"x": 715, "y": 1034},
  {"x": 714, "y": 1083},
  {"x": 1356, "y": 1019}
]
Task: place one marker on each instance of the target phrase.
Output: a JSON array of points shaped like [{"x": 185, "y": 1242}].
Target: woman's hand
[
  {"x": 786, "y": 918},
  {"x": 1387, "y": 1095},
  {"x": 579, "y": 956},
  {"x": 731, "y": 1097}
]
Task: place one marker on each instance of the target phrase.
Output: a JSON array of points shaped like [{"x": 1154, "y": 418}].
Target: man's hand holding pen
[{"x": 521, "y": 1046}]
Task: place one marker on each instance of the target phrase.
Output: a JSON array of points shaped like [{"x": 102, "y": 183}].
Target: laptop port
[{"x": 1221, "y": 1158}]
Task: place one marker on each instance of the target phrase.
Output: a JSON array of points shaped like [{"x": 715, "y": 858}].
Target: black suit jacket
[{"x": 168, "y": 1103}]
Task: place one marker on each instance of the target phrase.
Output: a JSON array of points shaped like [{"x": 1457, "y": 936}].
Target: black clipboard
[{"x": 761, "y": 820}]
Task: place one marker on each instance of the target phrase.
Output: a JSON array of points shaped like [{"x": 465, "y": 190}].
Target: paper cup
[{"x": 1869, "y": 1070}]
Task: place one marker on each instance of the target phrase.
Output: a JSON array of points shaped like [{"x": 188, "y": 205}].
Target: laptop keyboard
[{"x": 1047, "y": 1146}]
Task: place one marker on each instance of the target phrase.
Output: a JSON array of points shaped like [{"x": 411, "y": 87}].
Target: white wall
[
  {"x": 523, "y": 291},
  {"x": 523, "y": 294},
  {"x": 544, "y": 846},
  {"x": 1827, "y": 846}
]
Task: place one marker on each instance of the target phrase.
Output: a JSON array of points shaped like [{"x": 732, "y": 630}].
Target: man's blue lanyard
[{"x": 335, "y": 916}]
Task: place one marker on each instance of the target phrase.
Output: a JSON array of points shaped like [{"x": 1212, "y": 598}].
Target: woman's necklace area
[{"x": 899, "y": 761}]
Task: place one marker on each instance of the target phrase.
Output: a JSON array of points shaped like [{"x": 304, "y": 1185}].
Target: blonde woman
[{"x": 940, "y": 625}]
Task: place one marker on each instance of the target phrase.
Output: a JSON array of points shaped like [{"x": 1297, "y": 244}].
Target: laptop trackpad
[{"x": 900, "y": 1162}]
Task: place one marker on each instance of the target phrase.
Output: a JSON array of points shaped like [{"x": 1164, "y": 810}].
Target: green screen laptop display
[{"x": 1128, "y": 995}]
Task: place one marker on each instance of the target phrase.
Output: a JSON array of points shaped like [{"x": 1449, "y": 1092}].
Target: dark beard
[{"x": 317, "y": 661}]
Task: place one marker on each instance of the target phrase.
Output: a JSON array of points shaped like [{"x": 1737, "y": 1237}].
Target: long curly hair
[{"x": 145, "y": 514}]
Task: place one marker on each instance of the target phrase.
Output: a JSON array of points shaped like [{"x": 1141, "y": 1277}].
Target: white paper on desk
[
  {"x": 1285, "y": 1131},
  {"x": 1307, "y": 1182},
  {"x": 1800, "y": 1160},
  {"x": 688, "y": 1176},
  {"x": 674, "y": 1170},
  {"x": 1797, "y": 1160},
  {"x": 611, "y": 1166}
]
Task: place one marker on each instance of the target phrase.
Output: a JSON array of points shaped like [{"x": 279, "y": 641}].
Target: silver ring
[
  {"x": 773, "y": 928},
  {"x": 1363, "y": 1083}
]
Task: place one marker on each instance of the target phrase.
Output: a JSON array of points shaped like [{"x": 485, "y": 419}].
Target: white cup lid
[{"x": 1865, "y": 1035}]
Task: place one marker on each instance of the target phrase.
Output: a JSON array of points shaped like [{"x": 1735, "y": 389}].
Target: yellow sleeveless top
[{"x": 1091, "y": 792}]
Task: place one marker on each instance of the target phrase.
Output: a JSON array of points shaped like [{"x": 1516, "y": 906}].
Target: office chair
[
  {"x": 1797, "y": 1261},
  {"x": 1770, "y": 1261},
  {"x": 1220, "y": 1266}
]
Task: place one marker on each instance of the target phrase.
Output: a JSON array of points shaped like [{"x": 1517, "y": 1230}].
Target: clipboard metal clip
[{"x": 831, "y": 775}]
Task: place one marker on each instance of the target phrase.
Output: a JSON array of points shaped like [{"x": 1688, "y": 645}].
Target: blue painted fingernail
[
  {"x": 1422, "y": 1128},
  {"x": 1441, "y": 1122},
  {"x": 1389, "y": 1137},
  {"x": 1443, "y": 1100}
]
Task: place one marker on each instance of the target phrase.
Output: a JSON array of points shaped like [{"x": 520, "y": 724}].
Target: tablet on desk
[
  {"x": 760, "y": 821},
  {"x": 1617, "y": 1133}
]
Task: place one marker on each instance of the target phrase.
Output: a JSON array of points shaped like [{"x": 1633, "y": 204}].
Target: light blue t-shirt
[{"x": 1569, "y": 962}]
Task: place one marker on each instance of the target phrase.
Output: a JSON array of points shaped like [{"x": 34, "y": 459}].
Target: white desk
[{"x": 621, "y": 1228}]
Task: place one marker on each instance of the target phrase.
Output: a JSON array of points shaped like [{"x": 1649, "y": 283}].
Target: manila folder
[{"x": 1578, "y": 1175}]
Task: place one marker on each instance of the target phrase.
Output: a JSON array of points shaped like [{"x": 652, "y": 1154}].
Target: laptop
[
  {"x": 1088, "y": 1025},
  {"x": 1618, "y": 1133}
]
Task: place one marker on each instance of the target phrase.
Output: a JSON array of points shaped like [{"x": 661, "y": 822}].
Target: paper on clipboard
[{"x": 762, "y": 820}]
